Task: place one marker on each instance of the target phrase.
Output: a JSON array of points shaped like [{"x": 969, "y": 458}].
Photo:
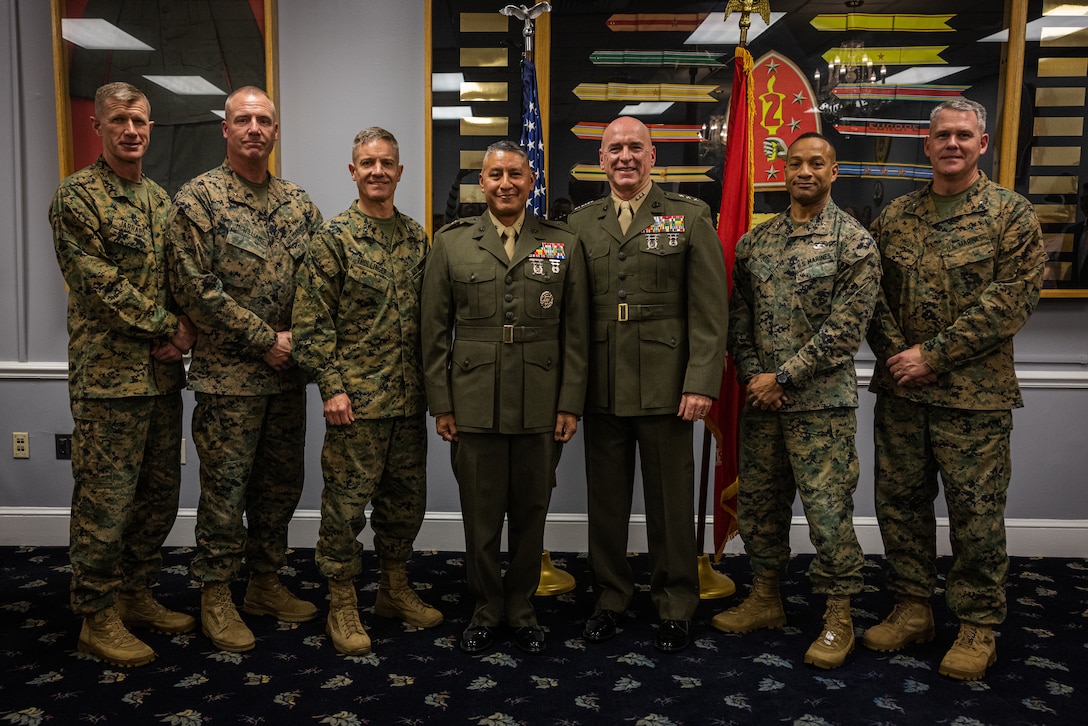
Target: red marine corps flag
[{"x": 733, "y": 221}]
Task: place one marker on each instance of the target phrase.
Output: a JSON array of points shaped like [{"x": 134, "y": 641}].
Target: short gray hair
[
  {"x": 509, "y": 147},
  {"x": 375, "y": 133},
  {"x": 963, "y": 105}
]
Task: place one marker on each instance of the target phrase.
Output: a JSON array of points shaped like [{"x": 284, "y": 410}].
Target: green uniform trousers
[
  {"x": 668, "y": 483},
  {"x": 379, "y": 461},
  {"x": 511, "y": 475},
  {"x": 251, "y": 461},
  {"x": 126, "y": 463},
  {"x": 970, "y": 450},
  {"x": 812, "y": 453}
]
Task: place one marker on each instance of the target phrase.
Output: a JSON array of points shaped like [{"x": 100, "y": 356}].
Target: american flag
[{"x": 532, "y": 137}]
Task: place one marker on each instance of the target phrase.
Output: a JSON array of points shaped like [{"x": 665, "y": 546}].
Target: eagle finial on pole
[
  {"x": 529, "y": 15},
  {"x": 746, "y": 8}
]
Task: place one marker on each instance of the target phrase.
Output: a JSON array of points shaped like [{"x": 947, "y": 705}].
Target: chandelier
[{"x": 849, "y": 75}]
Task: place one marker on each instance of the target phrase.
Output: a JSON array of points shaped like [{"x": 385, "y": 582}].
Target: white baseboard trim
[{"x": 48, "y": 527}]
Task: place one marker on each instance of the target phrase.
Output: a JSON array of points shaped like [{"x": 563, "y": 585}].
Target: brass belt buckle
[
  {"x": 621, "y": 313},
  {"x": 508, "y": 333}
]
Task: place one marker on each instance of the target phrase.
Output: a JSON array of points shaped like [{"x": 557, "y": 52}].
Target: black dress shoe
[
  {"x": 673, "y": 635},
  {"x": 477, "y": 638},
  {"x": 601, "y": 625},
  {"x": 530, "y": 639}
]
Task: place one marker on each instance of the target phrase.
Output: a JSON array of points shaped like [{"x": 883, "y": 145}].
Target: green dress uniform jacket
[
  {"x": 961, "y": 287},
  {"x": 802, "y": 299},
  {"x": 110, "y": 251},
  {"x": 356, "y": 316},
  {"x": 504, "y": 341},
  {"x": 659, "y": 315},
  {"x": 504, "y": 350},
  {"x": 658, "y": 326},
  {"x": 233, "y": 268}
]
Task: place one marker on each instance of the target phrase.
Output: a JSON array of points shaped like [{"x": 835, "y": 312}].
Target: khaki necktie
[
  {"x": 508, "y": 242},
  {"x": 625, "y": 216}
]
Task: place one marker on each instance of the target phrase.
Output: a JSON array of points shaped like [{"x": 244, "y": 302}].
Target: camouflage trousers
[
  {"x": 970, "y": 450},
  {"x": 379, "y": 461},
  {"x": 812, "y": 453},
  {"x": 126, "y": 463},
  {"x": 251, "y": 461}
]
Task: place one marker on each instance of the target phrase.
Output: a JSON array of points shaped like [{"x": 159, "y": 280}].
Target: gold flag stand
[
  {"x": 712, "y": 584},
  {"x": 553, "y": 581}
]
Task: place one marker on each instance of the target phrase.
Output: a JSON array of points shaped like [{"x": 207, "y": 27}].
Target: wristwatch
[{"x": 783, "y": 378}]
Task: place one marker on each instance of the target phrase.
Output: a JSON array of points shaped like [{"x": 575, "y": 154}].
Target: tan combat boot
[
  {"x": 761, "y": 609},
  {"x": 343, "y": 626},
  {"x": 910, "y": 621},
  {"x": 266, "y": 595},
  {"x": 973, "y": 652},
  {"x": 140, "y": 609},
  {"x": 837, "y": 640},
  {"x": 104, "y": 635},
  {"x": 396, "y": 598},
  {"x": 220, "y": 621}
]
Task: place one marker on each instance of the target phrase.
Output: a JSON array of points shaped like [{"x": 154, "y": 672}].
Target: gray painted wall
[{"x": 345, "y": 65}]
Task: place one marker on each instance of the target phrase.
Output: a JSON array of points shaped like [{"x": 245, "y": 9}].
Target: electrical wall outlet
[
  {"x": 64, "y": 446},
  {"x": 20, "y": 444}
]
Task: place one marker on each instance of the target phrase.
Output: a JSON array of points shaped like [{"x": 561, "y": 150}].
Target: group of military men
[{"x": 511, "y": 329}]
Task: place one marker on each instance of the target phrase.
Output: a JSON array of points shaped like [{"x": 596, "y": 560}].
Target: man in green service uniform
[
  {"x": 126, "y": 339},
  {"x": 963, "y": 268},
  {"x": 805, "y": 284},
  {"x": 235, "y": 238},
  {"x": 356, "y": 332},
  {"x": 659, "y": 320},
  {"x": 505, "y": 322}
]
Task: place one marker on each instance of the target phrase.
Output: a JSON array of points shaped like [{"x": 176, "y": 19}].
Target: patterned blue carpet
[{"x": 294, "y": 676}]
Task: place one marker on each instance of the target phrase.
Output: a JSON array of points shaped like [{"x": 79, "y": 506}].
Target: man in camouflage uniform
[
  {"x": 504, "y": 350},
  {"x": 235, "y": 238},
  {"x": 963, "y": 264},
  {"x": 805, "y": 284},
  {"x": 356, "y": 332},
  {"x": 659, "y": 321},
  {"x": 126, "y": 339}
]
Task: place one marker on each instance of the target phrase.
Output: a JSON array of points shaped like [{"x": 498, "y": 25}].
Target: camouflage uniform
[
  {"x": 356, "y": 331},
  {"x": 233, "y": 266},
  {"x": 803, "y": 296},
  {"x": 126, "y": 444},
  {"x": 961, "y": 287}
]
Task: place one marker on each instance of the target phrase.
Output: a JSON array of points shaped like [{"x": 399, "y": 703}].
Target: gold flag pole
[{"x": 713, "y": 584}]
